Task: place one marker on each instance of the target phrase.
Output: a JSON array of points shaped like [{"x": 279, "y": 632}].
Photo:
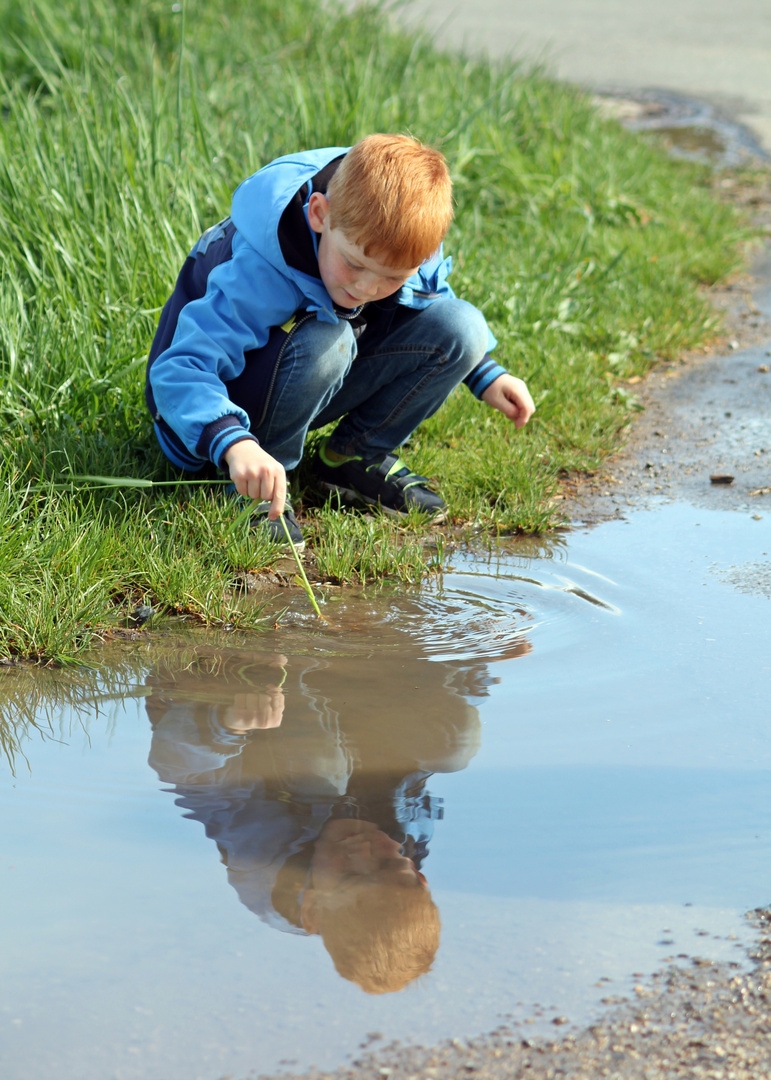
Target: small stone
[
  {"x": 140, "y": 615},
  {"x": 721, "y": 478}
]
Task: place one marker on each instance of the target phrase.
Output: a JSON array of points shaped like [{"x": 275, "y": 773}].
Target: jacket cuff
[
  {"x": 218, "y": 436},
  {"x": 486, "y": 372}
]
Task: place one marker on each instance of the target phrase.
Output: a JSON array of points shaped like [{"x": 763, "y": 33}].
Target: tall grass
[{"x": 125, "y": 127}]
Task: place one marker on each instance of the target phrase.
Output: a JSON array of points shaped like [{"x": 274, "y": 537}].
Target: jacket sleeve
[
  {"x": 245, "y": 297},
  {"x": 429, "y": 283}
]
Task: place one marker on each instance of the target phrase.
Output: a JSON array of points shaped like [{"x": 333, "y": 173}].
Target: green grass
[
  {"x": 353, "y": 548},
  {"x": 124, "y": 129}
]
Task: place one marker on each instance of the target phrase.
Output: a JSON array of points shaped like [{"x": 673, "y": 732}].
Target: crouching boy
[{"x": 322, "y": 298}]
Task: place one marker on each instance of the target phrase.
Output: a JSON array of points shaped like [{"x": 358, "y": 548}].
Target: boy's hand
[
  {"x": 510, "y": 396},
  {"x": 257, "y": 475}
]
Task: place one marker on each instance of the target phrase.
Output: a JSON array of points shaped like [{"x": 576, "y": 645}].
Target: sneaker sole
[{"x": 350, "y": 495}]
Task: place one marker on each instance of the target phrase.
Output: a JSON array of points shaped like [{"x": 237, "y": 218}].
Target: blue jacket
[{"x": 234, "y": 292}]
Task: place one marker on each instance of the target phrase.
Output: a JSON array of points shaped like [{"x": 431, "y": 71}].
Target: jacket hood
[{"x": 259, "y": 201}]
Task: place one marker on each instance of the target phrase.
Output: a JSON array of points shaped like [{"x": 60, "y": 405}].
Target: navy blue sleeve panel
[
  {"x": 226, "y": 306},
  {"x": 485, "y": 373},
  {"x": 214, "y": 247},
  {"x": 218, "y": 437}
]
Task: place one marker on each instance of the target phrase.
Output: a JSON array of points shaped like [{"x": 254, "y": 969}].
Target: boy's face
[
  {"x": 350, "y": 855},
  {"x": 350, "y": 277}
]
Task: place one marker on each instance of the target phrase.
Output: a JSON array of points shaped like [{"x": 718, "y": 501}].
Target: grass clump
[
  {"x": 125, "y": 128},
  {"x": 352, "y": 548}
]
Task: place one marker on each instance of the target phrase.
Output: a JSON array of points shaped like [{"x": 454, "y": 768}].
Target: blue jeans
[{"x": 380, "y": 388}]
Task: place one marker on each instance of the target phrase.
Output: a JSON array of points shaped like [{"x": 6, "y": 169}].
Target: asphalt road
[{"x": 713, "y": 50}]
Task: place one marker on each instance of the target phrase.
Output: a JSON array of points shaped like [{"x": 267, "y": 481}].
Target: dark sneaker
[
  {"x": 275, "y": 529},
  {"x": 383, "y": 481}
]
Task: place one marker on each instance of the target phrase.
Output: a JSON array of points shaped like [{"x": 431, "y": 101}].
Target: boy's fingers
[
  {"x": 279, "y": 498},
  {"x": 524, "y": 409}
]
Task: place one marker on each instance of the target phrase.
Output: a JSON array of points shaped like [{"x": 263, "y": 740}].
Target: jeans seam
[{"x": 390, "y": 351}]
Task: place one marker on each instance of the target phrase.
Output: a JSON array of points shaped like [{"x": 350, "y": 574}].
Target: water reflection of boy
[{"x": 323, "y": 822}]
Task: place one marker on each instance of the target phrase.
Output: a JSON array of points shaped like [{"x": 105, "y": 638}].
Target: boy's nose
[{"x": 367, "y": 286}]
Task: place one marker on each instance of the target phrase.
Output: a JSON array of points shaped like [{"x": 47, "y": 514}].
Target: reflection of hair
[
  {"x": 385, "y": 936},
  {"x": 392, "y": 197}
]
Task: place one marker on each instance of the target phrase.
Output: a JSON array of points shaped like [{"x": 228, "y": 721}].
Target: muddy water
[
  {"x": 561, "y": 753},
  {"x": 690, "y": 128}
]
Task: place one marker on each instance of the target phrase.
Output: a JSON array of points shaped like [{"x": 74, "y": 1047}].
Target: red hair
[{"x": 392, "y": 197}]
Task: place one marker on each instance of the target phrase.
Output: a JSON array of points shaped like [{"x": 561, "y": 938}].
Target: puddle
[
  {"x": 692, "y": 129},
  {"x": 570, "y": 742}
]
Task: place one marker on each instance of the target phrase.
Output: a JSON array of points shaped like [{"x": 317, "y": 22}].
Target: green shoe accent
[
  {"x": 331, "y": 458},
  {"x": 384, "y": 481},
  {"x": 397, "y": 466},
  {"x": 400, "y": 467}
]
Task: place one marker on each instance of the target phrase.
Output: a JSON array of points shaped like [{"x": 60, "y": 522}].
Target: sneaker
[
  {"x": 383, "y": 481},
  {"x": 275, "y": 529}
]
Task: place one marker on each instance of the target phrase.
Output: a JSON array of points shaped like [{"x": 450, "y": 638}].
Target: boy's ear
[
  {"x": 309, "y": 914},
  {"x": 318, "y": 208}
]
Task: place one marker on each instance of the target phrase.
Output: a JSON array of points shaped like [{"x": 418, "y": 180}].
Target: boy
[{"x": 322, "y": 298}]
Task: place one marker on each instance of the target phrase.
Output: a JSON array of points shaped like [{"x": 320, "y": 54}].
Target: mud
[
  {"x": 690, "y": 128},
  {"x": 704, "y": 433}
]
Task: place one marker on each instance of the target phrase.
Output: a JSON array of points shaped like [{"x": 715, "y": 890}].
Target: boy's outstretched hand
[
  {"x": 257, "y": 475},
  {"x": 510, "y": 396}
]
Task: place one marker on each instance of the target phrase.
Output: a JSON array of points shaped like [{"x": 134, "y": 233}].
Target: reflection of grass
[
  {"x": 60, "y": 703},
  {"x": 125, "y": 128},
  {"x": 50, "y": 704}
]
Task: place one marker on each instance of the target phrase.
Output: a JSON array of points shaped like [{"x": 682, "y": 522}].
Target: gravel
[{"x": 695, "y": 1019}]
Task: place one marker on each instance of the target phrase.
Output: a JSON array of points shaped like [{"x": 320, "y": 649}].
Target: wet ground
[{"x": 704, "y": 436}]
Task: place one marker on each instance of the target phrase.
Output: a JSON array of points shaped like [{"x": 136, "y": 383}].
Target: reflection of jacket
[
  {"x": 241, "y": 281},
  {"x": 265, "y": 796}
]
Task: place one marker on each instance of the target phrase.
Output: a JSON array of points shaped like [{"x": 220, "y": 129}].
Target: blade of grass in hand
[{"x": 305, "y": 583}]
